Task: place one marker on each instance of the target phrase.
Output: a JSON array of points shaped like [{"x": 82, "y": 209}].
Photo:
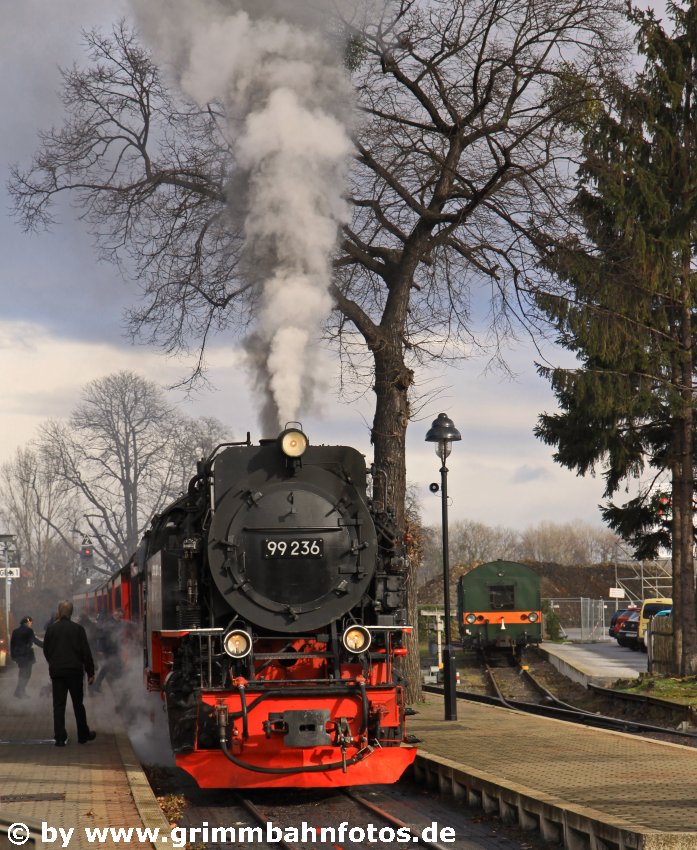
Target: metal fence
[{"x": 583, "y": 619}]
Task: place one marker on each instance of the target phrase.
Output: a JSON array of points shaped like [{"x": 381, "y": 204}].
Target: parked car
[
  {"x": 612, "y": 631},
  {"x": 629, "y": 631},
  {"x": 618, "y": 618},
  {"x": 649, "y": 608}
]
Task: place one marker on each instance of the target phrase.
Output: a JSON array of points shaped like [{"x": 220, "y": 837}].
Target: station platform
[
  {"x": 581, "y": 788},
  {"x": 94, "y": 785},
  {"x": 602, "y": 663}
]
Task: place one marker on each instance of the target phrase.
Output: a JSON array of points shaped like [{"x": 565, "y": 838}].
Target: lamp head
[
  {"x": 443, "y": 433},
  {"x": 293, "y": 442}
]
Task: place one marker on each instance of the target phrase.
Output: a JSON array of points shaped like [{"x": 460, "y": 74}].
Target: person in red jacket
[{"x": 69, "y": 657}]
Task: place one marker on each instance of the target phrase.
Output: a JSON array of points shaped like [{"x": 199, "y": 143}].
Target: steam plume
[{"x": 290, "y": 105}]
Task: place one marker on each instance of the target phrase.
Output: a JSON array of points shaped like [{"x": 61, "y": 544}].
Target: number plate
[{"x": 295, "y": 547}]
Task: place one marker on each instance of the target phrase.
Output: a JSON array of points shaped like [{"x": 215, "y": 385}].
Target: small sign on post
[
  {"x": 616, "y": 593},
  {"x": 9, "y": 572}
]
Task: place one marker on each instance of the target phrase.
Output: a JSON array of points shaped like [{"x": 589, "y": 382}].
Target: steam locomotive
[{"x": 273, "y": 607}]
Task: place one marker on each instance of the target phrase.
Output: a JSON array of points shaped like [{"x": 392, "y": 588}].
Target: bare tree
[
  {"x": 475, "y": 543},
  {"x": 461, "y": 146},
  {"x": 125, "y": 453},
  {"x": 573, "y": 543},
  {"x": 472, "y": 543},
  {"x": 33, "y": 504},
  {"x": 193, "y": 440},
  {"x": 149, "y": 173}
]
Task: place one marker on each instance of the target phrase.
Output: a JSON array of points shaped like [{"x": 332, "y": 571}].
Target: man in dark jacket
[
  {"x": 22, "y": 653},
  {"x": 110, "y": 641},
  {"x": 69, "y": 657}
]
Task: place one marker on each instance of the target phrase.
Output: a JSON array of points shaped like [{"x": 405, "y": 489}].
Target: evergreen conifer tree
[{"x": 626, "y": 306}]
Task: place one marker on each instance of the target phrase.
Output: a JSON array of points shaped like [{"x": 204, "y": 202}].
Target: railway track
[
  {"x": 405, "y": 829},
  {"x": 357, "y": 813},
  {"x": 516, "y": 688},
  {"x": 373, "y": 817}
]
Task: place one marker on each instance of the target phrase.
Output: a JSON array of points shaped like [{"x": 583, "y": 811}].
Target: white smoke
[{"x": 290, "y": 108}]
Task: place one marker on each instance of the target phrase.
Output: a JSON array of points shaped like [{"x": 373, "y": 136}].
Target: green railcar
[{"x": 498, "y": 606}]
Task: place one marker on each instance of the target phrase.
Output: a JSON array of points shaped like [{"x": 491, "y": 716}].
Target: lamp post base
[{"x": 450, "y": 683}]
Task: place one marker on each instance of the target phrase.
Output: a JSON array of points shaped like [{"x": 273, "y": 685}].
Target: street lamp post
[{"x": 443, "y": 433}]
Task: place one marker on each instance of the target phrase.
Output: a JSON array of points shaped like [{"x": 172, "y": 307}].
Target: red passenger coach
[
  {"x": 124, "y": 590},
  {"x": 273, "y": 602}
]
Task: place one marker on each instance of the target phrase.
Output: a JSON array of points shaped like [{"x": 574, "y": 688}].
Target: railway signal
[{"x": 86, "y": 554}]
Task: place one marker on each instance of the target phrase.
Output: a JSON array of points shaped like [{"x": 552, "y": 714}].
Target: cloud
[
  {"x": 499, "y": 473},
  {"x": 526, "y": 473},
  {"x": 50, "y": 278},
  {"x": 44, "y": 376}
]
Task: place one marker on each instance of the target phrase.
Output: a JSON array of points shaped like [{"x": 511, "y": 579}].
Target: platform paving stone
[
  {"x": 99, "y": 784},
  {"x": 624, "y": 778}
]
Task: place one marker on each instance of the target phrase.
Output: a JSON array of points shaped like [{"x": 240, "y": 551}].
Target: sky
[{"x": 61, "y": 326}]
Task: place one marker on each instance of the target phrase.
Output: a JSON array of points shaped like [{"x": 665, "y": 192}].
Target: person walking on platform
[
  {"x": 110, "y": 642},
  {"x": 69, "y": 657},
  {"x": 22, "y": 653}
]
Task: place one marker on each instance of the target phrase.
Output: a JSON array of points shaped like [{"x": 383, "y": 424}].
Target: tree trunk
[
  {"x": 687, "y": 658},
  {"x": 392, "y": 382},
  {"x": 676, "y": 554}
]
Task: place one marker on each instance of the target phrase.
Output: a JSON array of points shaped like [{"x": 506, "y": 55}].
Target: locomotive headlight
[
  {"x": 470, "y": 618},
  {"x": 356, "y": 639},
  {"x": 237, "y": 643},
  {"x": 293, "y": 442},
  {"x": 532, "y": 616}
]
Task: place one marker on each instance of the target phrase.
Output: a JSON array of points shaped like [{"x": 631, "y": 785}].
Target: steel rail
[
  {"x": 416, "y": 837},
  {"x": 261, "y": 818},
  {"x": 569, "y": 714}
]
